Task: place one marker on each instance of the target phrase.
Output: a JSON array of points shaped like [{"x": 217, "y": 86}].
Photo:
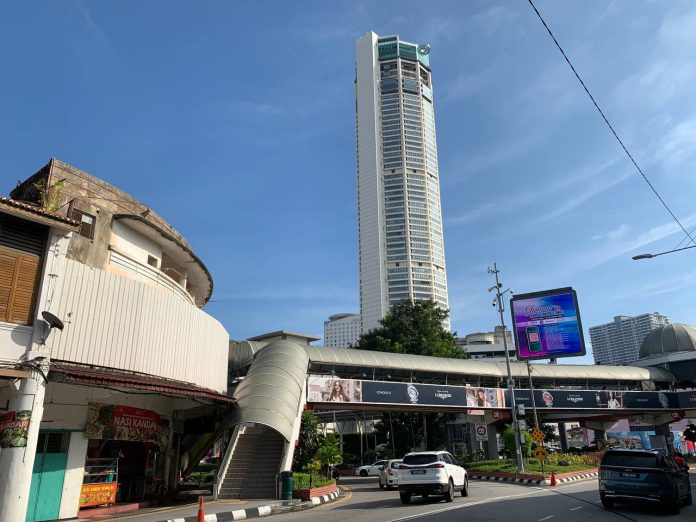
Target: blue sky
[{"x": 235, "y": 121}]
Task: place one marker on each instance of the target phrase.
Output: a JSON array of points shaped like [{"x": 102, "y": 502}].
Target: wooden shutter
[
  {"x": 7, "y": 269},
  {"x": 19, "y": 275}
]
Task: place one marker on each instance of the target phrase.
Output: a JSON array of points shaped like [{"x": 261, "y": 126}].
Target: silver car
[{"x": 389, "y": 475}]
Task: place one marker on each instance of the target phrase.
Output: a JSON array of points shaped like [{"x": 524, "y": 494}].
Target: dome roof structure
[{"x": 671, "y": 338}]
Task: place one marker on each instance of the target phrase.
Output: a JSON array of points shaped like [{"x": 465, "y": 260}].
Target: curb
[
  {"x": 260, "y": 511},
  {"x": 574, "y": 478},
  {"x": 512, "y": 480},
  {"x": 535, "y": 482}
]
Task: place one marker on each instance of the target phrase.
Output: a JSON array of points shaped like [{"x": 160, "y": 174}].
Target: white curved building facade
[{"x": 136, "y": 377}]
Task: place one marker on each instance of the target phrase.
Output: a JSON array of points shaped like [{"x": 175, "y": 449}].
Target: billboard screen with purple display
[{"x": 547, "y": 324}]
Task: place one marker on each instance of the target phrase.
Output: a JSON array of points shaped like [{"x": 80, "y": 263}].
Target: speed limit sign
[{"x": 481, "y": 431}]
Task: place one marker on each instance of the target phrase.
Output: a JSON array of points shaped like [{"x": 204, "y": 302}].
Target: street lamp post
[
  {"x": 510, "y": 380},
  {"x": 650, "y": 256}
]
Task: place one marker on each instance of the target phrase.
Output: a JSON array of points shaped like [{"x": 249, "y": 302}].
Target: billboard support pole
[
  {"x": 531, "y": 388},
  {"x": 510, "y": 381}
]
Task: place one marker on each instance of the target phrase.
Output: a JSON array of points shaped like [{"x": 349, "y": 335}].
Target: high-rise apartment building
[
  {"x": 401, "y": 246},
  {"x": 619, "y": 342},
  {"x": 342, "y": 330}
]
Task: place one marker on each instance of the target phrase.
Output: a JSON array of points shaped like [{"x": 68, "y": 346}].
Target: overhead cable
[{"x": 611, "y": 128}]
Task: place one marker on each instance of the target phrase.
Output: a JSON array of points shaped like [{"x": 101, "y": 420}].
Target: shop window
[{"x": 87, "y": 223}]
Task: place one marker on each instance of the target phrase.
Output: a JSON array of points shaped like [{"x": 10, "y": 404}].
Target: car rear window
[
  {"x": 628, "y": 460},
  {"x": 419, "y": 460}
]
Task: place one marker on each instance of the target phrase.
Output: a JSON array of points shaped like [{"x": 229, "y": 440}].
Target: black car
[{"x": 643, "y": 475}]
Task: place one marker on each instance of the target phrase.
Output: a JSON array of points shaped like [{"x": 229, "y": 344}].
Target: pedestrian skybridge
[
  {"x": 366, "y": 380},
  {"x": 275, "y": 381}
]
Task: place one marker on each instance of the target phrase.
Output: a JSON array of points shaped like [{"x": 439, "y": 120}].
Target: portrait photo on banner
[{"x": 333, "y": 389}]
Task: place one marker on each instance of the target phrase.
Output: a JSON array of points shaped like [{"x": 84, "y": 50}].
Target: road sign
[
  {"x": 540, "y": 453},
  {"x": 538, "y": 436},
  {"x": 481, "y": 431},
  {"x": 520, "y": 410},
  {"x": 523, "y": 424}
]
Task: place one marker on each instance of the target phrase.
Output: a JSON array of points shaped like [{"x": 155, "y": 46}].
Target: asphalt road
[{"x": 487, "y": 501}]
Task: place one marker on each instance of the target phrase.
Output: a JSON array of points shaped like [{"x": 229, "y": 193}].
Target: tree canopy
[{"x": 413, "y": 327}]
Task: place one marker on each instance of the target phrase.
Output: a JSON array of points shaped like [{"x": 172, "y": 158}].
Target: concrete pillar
[
  {"x": 662, "y": 430},
  {"x": 600, "y": 439},
  {"x": 492, "y": 444},
  {"x": 563, "y": 436},
  {"x": 17, "y": 464}
]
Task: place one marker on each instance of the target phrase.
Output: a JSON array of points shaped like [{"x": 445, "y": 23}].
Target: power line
[{"x": 607, "y": 122}]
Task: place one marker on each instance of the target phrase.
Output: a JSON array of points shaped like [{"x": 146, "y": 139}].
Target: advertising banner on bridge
[
  {"x": 323, "y": 389},
  {"x": 610, "y": 399},
  {"x": 332, "y": 389},
  {"x": 547, "y": 324}
]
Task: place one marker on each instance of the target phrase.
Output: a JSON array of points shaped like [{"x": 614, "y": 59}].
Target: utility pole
[{"x": 510, "y": 380}]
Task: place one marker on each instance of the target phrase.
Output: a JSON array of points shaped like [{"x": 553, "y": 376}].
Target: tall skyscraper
[
  {"x": 619, "y": 342},
  {"x": 401, "y": 246}
]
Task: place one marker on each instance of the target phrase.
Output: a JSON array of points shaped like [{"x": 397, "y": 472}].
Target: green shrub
[
  {"x": 301, "y": 481},
  {"x": 200, "y": 477},
  {"x": 574, "y": 459},
  {"x": 509, "y": 441}
]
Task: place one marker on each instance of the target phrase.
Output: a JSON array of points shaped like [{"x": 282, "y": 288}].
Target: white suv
[{"x": 431, "y": 473}]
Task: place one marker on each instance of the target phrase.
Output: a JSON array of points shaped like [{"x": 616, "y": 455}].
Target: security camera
[{"x": 512, "y": 291}]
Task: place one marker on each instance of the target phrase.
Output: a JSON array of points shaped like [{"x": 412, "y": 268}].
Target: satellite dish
[{"x": 52, "y": 320}]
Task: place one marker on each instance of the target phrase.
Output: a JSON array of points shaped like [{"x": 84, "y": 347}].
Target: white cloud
[
  {"x": 613, "y": 248},
  {"x": 593, "y": 176},
  {"x": 665, "y": 286},
  {"x": 594, "y": 187},
  {"x": 678, "y": 145},
  {"x": 618, "y": 233}
]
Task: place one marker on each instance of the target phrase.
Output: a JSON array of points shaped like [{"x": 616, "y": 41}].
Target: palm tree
[{"x": 329, "y": 454}]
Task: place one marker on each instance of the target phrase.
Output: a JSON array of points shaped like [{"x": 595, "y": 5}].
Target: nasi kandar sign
[
  {"x": 116, "y": 422},
  {"x": 14, "y": 426}
]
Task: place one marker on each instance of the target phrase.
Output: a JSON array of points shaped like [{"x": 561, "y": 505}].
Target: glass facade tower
[{"x": 400, "y": 237}]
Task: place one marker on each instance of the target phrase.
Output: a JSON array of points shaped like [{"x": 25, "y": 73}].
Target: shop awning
[
  {"x": 75, "y": 375},
  {"x": 10, "y": 373}
]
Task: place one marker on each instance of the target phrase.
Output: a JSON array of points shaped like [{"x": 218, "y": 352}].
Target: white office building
[
  {"x": 400, "y": 238},
  {"x": 488, "y": 345},
  {"x": 619, "y": 342},
  {"x": 342, "y": 330}
]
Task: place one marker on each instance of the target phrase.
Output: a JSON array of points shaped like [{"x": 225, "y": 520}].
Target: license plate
[
  {"x": 629, "y": 475},
  {"x": 417, "y": 472}
]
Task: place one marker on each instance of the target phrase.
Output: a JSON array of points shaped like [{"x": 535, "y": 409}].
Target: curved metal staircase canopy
[{"x": 272, "y": 390}]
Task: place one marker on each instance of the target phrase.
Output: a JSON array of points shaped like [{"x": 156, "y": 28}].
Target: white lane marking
[
  {"x": 546, "y": 518},
  {"x": 469, "y": 504},
  {"x": 576, "y": 508}
]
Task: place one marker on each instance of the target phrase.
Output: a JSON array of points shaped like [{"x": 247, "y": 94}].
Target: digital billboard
[{"x": 547, "y": 324}]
